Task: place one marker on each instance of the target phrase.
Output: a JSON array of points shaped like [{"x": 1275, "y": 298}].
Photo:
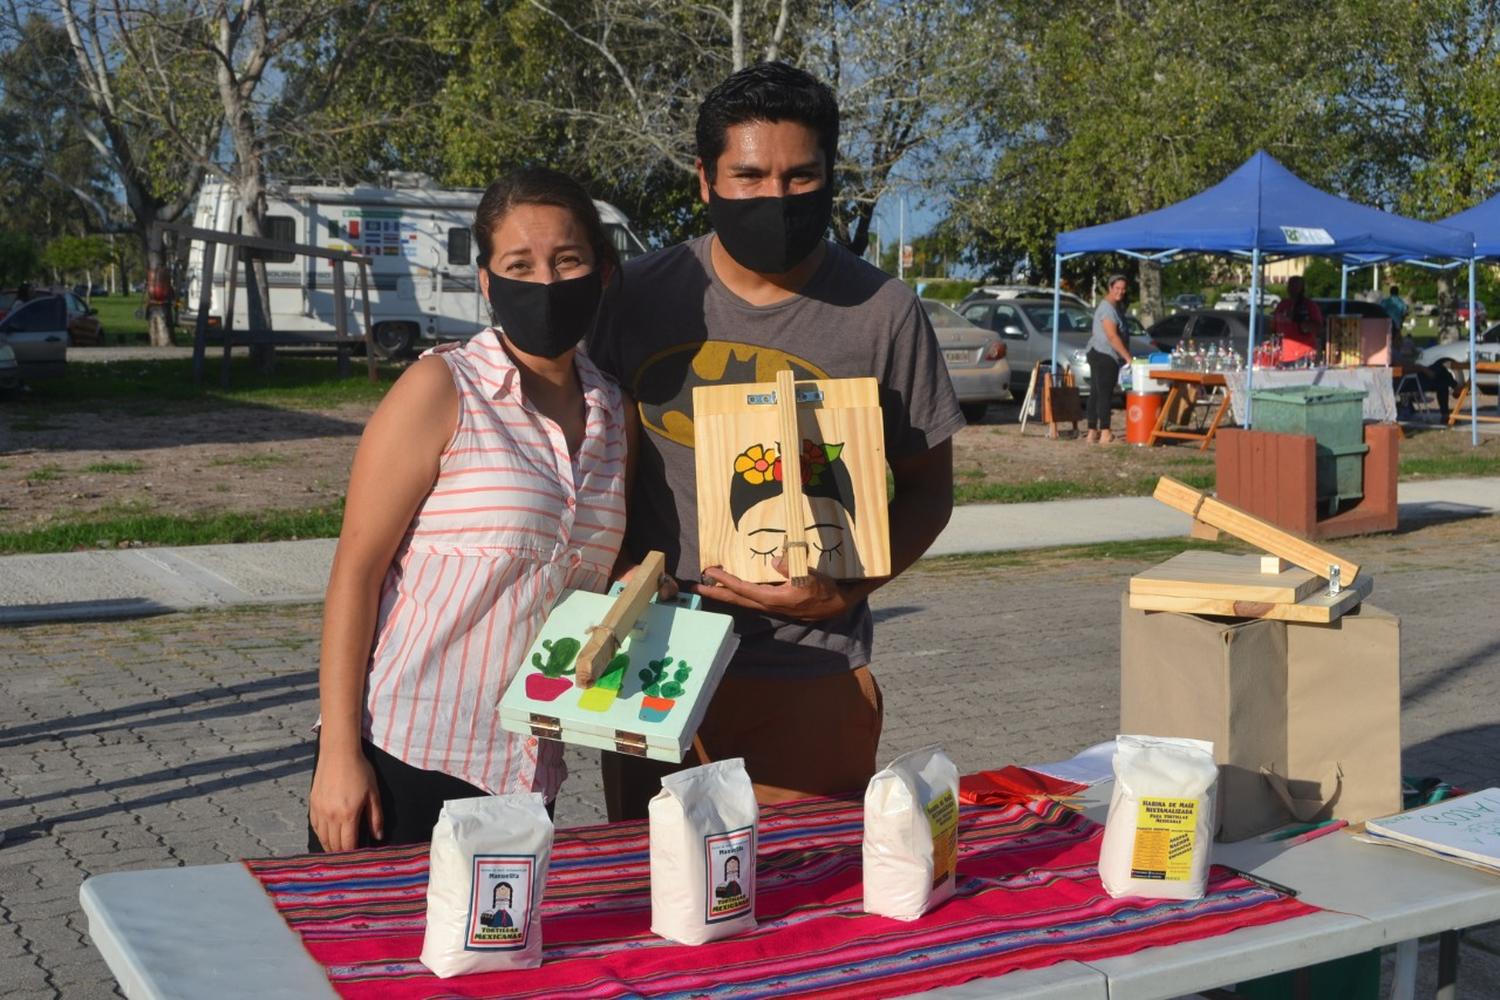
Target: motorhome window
[
  {"x": 276, "y": 227},
  {"x": 460, "y": 246}
]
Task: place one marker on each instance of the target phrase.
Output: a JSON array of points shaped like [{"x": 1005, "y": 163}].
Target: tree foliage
[{"x": 1102, "y": 109}]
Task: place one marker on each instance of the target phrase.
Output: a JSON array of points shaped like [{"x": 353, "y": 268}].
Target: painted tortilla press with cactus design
[{"x": 643, "y": 695}]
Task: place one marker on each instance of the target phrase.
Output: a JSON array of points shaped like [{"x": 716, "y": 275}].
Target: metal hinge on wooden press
[
  {"x": 769, "y": 398},
  {"x": 546, "y": 726},
  {"x": 633, "y": 744}
]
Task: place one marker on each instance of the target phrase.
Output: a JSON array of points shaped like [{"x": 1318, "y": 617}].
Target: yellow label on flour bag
[
  {"x": 1164, "y": 834},
  {"x": 942, "y": 817}
]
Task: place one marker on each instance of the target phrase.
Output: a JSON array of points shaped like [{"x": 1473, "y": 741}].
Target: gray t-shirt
[
  {"x": 1098, "y": 339},
  {"x": 674, "y": 325}
]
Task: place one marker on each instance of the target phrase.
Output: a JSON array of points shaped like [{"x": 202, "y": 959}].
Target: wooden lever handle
[
  {"x": 605, "y": 638},
  {"x": 795, "y": 547}
]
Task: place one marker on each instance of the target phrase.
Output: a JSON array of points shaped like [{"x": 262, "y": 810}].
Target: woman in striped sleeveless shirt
[{"x": 490, "y": 480}]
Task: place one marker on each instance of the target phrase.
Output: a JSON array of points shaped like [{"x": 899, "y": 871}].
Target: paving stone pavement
[{"x": 183, "y": 739}]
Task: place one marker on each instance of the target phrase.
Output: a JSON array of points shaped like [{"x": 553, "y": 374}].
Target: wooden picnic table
[
  {"x": 1458, "y": 412},
  {"x": 1183, "y": 390}
]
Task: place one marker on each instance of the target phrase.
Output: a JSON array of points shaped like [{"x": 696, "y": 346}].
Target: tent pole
[
  {"x": 1254, "y": 331},
  {"x": 1056, "y": 305},
  {"x": 1343, "y": 279},
  {"x": 1473, "y": 371}
]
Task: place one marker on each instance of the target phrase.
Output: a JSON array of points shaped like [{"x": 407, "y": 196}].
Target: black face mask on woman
[
  {"x": 545, "y": 319},
  {"x": 771, "y": 235}
]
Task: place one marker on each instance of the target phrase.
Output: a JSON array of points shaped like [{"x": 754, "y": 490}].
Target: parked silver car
[
  {"x": 976, "y": 360},
  {"x": 1025, "y": 326},
  {"x": 37, "y": 331},
  {"x": 1486, "y": 348}
]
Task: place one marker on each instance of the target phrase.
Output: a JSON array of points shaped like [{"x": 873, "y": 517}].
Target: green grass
[
  {"x": 1473, "y": 463},
  {"x": 165, "y": 385},
  {"x": 122, "y": 468},
  {"x": 117, "y": 314},
  {"x": 161, "y": 529},
  {"x": 45, "y": 474},
  {"x": 1145, "y": 550},
  {"x": 1039, "y": 491},
  {"x": 258, "y": 460}
]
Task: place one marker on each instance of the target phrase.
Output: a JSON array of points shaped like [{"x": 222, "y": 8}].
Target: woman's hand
[{"x": 343, "y": 792}]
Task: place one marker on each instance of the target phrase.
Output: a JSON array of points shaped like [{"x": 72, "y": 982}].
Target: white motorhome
[{"x": 423, "y": 283}]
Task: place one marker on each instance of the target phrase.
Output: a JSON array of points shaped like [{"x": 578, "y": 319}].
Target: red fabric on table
[
  {"x": 1028, "y": 896},
  {"x": 1012, "y": 784}
]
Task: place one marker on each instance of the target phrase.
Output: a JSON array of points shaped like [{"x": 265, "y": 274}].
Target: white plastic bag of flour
[
  {"x": 484, "y": 891},
  {"x": 703, "y": 853},
  {"x": 1158, "y": 838},
  {"x": 911, "y": 834}
]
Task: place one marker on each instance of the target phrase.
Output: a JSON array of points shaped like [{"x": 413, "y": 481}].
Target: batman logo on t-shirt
[{"x": 665, "y": 382}]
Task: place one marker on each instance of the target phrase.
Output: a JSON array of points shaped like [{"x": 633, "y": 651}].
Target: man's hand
[{"x": 820, "y": 599}]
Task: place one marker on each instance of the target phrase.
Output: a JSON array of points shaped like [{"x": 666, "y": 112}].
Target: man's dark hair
[{"x": 767, "y": 92}]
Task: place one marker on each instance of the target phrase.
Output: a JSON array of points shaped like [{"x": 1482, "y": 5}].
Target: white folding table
[{"x": 212, "y": 931}]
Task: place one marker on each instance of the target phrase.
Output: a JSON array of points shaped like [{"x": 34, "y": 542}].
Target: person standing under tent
[{"x": 1107, "y": 351}]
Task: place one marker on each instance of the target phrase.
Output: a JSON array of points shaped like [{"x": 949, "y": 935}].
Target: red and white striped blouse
[{"x": 511, "y": 523}]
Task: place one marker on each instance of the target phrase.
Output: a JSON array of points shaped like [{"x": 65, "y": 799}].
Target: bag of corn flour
[
  {"x": 703, "y": 853},
  {"x": 911, "y": 835},
  {"x": 1158, "y": 837},
  {"x": 484, "y": 891}
]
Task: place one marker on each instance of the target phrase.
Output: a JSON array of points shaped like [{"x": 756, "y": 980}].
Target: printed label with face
[
  {"x": 730, "y": 857},
  {"x": 500, "y": 905}
]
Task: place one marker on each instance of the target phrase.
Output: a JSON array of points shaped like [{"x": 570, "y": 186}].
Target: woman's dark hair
[
  {"x": 540, "y": 186},
  {"x": 767, "y": 92}
]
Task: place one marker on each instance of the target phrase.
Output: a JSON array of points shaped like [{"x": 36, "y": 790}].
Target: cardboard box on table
[
  {"x": 1310, "y": 707},
  {"x": 1296, "y": 683}
]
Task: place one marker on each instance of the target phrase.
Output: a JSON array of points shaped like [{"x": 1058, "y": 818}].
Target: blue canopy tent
[
  {"x": 1265, "y": 212},
  {"x": 1483, "y": 220}
]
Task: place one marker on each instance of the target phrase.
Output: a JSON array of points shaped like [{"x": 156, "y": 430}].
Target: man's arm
[{"x": 917, "y": 515}]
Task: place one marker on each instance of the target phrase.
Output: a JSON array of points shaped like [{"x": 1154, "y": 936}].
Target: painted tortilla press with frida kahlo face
[{"x": 748, "y": 519}]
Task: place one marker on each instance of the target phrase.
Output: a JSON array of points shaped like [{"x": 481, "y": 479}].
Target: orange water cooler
[{"x": 1141, "y": 412}]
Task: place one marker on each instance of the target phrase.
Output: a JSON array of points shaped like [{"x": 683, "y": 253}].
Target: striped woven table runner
[{"x": 1028, "y": 896}]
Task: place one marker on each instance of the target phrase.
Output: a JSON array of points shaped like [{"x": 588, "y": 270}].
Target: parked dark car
[
  {"x": 1350, "y": 307},
  {"x": 1203, "y": 326},
  {"x": 84, "y": 328},
  {"x": 1209, "y": 326},
  {"x": 37, "y": 331}
]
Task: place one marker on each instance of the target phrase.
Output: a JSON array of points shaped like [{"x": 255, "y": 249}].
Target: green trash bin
[{"x": 1334, "y": 418}]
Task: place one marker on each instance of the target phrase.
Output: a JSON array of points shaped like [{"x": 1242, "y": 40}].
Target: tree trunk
[
  {"x": 1447, "y": 317},
  {"x": 1150, "y": 308}
]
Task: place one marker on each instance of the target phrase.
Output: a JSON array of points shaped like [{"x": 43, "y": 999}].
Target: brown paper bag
[{"x": 1304, "y": 717}]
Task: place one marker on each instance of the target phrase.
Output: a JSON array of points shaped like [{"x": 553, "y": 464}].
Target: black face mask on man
[
  {"x": 546, "y": 319},
  {"x": 771, "y": 235}
]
